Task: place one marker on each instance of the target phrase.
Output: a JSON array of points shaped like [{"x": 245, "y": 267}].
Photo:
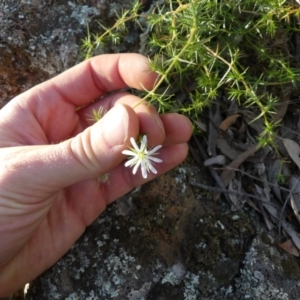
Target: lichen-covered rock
[
  {"x": 39, "y": 38},
  {"x": 166, "y": 240}
]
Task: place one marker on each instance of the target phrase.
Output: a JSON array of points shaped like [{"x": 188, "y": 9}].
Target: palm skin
[{"x": 51, "y": 156}]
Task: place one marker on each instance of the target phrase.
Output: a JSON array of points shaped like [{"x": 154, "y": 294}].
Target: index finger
[{"x": 95, "y": 77}]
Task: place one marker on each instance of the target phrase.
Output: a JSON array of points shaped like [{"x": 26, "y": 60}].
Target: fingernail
[
  {"x": 159, "y": 122},
  {"x": 115, "y": 126}
]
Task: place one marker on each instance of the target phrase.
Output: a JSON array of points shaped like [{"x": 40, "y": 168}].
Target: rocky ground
[{"x": 167, "y": 239}]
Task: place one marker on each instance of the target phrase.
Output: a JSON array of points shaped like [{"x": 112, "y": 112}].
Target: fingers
[
  {"x": 178, "y": 128},
  {"x": 166, "y": 129},
  {"x": 149, "y": 121},
  {"x": 49, "y": 110},
  {"x": 97, "y": 150},
  {"x": 95, "y": 77},
  {"x": 91, "y": 153}
]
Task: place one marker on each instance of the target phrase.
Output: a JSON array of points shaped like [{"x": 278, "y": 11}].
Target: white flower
[{"x": 141, "y": 156}]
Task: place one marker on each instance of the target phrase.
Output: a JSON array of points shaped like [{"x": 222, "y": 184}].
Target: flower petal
[
  {"x": 128, "y": 152},
  {"x": 131, "y": 162},
  {"x": 136, "y": 167},
  {"x": 144, "y": 143},
  {"x": 151, "y": 151},
  {"x": 153, "y": 170},
  {"x": 134, "y": 144},
  {"x": 155, "y": 159},
  {"x": 144, "y": 169}
]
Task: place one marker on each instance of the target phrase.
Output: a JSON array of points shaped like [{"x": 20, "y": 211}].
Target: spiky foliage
[{"x": 240, "y": 47}]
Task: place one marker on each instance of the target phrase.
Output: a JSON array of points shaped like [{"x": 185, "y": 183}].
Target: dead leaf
[
  {"x": 293, "y": 150},
  {"x": 292, "y": 233},
  {"x": 261, "y": 193},
  {"x": 273, "y": 169},
  {"x": 219, "y": 160},
  {"x": 285, "y": 225},
  {"x": 282, "y": 105},
  {"x": 202, "y": 126},
  {"x": 229, "y": 172},
  {"x": 251, "y": 203},
  {"x": 237, "y": 199},
  {"x": 289, "y": 247},
  {"x": 228, "y": 150},
  {"x": 295, "y": 196},
  {"x": 228, "y": 122}
]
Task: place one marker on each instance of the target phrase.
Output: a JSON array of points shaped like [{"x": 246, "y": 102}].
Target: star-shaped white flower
[{"x": 141, "y": 156}]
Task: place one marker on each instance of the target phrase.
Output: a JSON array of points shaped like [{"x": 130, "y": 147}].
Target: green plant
[
  {"x": 96, "y": 116},
  {"x": 240, "y": 47}
]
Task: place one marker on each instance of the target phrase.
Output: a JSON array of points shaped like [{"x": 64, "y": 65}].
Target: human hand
[{"x": 51, "y": 156}]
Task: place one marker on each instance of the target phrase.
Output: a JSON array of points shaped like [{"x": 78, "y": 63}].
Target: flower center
[{"x": 142, "y": 155}]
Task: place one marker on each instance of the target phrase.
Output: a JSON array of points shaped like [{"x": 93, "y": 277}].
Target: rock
[
  {"x": 164, "y": 240},
  {"x": 40, "y": 39},
  {"x": 167, "y": 240}
]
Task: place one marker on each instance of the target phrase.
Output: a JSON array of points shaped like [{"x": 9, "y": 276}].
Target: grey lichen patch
[
  {"x": 174, "y": 275},
  {"x": 263, "y": 277},
  {"x": 191, "y": 284},
  {"x": 124, "y": 206},
  {"x": 181, "y": 179},
  {"x": 83, "y": 13},
  {"x": 111, "y": 267},
  {"x": 140, "y": 294}
]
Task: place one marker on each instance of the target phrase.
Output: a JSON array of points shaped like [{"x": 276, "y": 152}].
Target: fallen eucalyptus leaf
[
  {"x": 202, "y": 126},
  {"x": 295, "y": 196},
  {"x": 226, "y": 149},
  {"x": 292, "y": 233},
  {"x": 228, "y": 122},
  {"x": 219, "y": 160},
  {"x": 229, "y": 172},
  {"x": 237, "y": 199},
  {"x": 289, "y": 247},
  {"x": 293, "y": 150},
  {"x": 282, "y": 105}
]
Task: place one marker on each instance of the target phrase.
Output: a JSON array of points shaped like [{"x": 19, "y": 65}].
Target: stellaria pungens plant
[{"x": 240, "y": 47}]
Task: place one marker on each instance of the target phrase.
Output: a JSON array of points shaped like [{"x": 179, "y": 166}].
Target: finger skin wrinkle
[
  {"x": 98, "y": 80},
  {"x": 79, "y": 154},
  {"x": 95, "y": 79},
  {"x": 60, "y": 94},
  {"x": 119, "y": 68}
]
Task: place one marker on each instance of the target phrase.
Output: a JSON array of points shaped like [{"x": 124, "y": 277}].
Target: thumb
[
  {"x": 98, "y": 149},
  {"x": 92, "y": 153}
]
